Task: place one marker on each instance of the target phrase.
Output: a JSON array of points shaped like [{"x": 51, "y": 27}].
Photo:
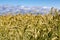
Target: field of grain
[{"x": 30, "y": 27}]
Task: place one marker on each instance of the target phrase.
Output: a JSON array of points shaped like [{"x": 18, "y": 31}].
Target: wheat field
[{"x": 30, "y": 27}]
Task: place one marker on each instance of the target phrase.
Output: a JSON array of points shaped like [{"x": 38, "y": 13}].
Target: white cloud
[
  {"x": 22, "y": 7},
  {"x": 45, "y": 7}
]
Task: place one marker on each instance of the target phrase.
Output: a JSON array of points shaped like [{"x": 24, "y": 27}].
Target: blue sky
[{"x": 42, "y": 3}]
